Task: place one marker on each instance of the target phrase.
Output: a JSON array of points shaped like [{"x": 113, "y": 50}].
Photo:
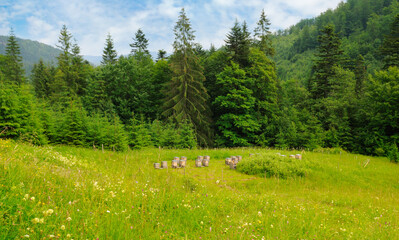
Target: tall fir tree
[
  {"x": 390, "y": 47},
  {"x": 187, "y": 96},
  {"x": 360, "y": 72},
  {"x": 238, "y": 44},
  {"x": 262, "y": 35},
  {"x": 42, "y": 77},
  {"x": 140, "y": 43},
  {"x": 161, "y": 55},
  {"x": 329, "y": 56},
  {"x": 14, "y": 72},
  {"x": 109, "y": 53}
]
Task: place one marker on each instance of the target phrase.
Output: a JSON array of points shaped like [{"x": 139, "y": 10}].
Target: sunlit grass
[{"x": 74, "y": 193}]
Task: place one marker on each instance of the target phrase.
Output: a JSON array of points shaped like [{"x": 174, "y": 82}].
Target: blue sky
[{"x": 89, "y": 21}]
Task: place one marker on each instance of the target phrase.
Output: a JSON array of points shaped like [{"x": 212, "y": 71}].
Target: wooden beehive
[
  {"x": 205, "y": 163},
  {"x": 298, "y": 156},
  {"x": 182, "y": 163},
  {"x": 176, "y": 158},
  {"x": 200, "y": 157},
  {"x": 164, "y": 164},
  {"x": 184, "y": 158},
  {"x": 175, "y": 163},
  {"x": 233, "y": 165},
  {"x": 157, "y": 165},
  {"x": 207, "y": 157},
  {"x": 198, "y": 163},
  {"x": 227, "y": 161},
  {"x": 292, "y": 156}
]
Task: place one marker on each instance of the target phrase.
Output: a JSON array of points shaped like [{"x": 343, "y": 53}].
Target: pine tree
[
  {"x": 42, "y": 77},
  {"x": 329, "y": 56},
  {"x": 109, "y": 53},
  {"x": 14, "y": 72},
  {"x": 238, "y": 44},
  {"x": 140, "y": 43},
  {"x": 187, "y": 96},
  {"x": 390, "y": 47},
  {"x": 161, "y": 55},
  {"x": 262, "y": 35},
  {"x": 360, "y": 75}
]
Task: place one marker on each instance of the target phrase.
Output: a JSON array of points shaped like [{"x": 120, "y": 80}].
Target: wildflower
[
  {"x": 260, "y": 214},
  {"x": 69, "y": 219},
  {"x": 63, "y": 227},
  {"x": 68, "y": 235},
  {"x": 202, "y": 223},
  {"x": 51, "y": 236},
  {"x": 41, "y": 220},
  {"x": 26, "y": 236},
  {"x": 49, "y": 212},
  {"x": 35, "y": 220},
  {"x": 32, "y": 199},
  {"x": 271, "y": 225},
  {"x": 217, "y": 181},
  {"x": 26, "y": 196}
]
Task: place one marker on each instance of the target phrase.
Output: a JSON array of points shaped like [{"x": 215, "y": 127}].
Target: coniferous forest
[{"x": 331, "y": 82}]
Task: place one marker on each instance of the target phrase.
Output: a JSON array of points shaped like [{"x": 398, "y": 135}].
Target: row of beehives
[
  {"x": 297, "y": 156},
  {"x": 201, "y": 161},
  {"x": 233, "y": 161}
]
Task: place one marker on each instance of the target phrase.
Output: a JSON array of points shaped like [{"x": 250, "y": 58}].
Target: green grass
[{"x": 110, "y": 195}]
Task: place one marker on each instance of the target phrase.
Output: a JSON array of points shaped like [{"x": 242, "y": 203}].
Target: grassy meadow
[{"x": 65, "y": 192}]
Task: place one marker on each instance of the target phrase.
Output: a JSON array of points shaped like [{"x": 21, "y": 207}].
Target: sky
[{"x": 89, "y": 21}]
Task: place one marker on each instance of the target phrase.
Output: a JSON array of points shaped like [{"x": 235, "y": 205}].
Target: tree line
[{"x": 226, "y": 97}]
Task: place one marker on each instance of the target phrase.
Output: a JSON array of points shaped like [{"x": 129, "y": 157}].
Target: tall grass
[{"x": 74, "y": 193}]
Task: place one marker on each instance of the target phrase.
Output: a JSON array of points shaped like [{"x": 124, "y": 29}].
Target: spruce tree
[
  {"x": 238, "y": 44},
  {"x": 161, "y": 55},
  {"x": 14, "y": 72},
  {"x": 109, "y": 53},
  {"x": 262, "y": 35},
  {"x": 390, "y": 47},
  {"x": 42, "y": 77},
  {"x": 140, "y": 43},
  {"x": 329, "y": 56},
  {"x": 187, "y": 96},
  {"x": 360, "y": 75}
]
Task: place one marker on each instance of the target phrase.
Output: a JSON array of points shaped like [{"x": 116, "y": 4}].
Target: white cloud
[{"x": 89, "y": 21}]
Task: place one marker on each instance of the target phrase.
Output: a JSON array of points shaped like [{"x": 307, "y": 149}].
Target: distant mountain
[{"x": 32, "y": 52}]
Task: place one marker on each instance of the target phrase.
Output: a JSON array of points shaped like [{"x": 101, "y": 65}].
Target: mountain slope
[
  {"x": 32, "y": 52},
  {"x": 361, "y": 24}
]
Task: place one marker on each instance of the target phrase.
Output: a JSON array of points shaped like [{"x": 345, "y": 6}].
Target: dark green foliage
[
  {"x": 129, "y": 85},
  {"x": 382, "y": 108},
  {"x": 187, "y": 96},
  {"x": 161, "y": 55},
  {"x": 139, "y": 133},
  {"x": 162, "y": 74},
  {"x": 329, "y": 56},
  {"x": 361, "y": 77},
  {"x": 19, "y": 115},
  {"x": 14, "y": 69},
  {"x": 42, "y": 77},
  {"x": 273, "y": 165},
  {"x": 390, "y": 47},
  {"x": 238, "y": 43},
  {"x": 140, "y": 43},
  {"x": 109, "y": 53},
  {"x": 262, "y": 35},
  {"x": 73, "y": 129},
  {"x": 235, "y": 122}
]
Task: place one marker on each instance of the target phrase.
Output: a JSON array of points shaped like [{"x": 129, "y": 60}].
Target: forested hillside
[
  {"x": 332, "y": 81},
  {"x": 32, "y": 52},
  {"x": 361, "y": 25}
]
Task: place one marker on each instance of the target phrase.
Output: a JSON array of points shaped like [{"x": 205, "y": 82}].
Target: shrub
[{"x": 271, "y": 165}]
